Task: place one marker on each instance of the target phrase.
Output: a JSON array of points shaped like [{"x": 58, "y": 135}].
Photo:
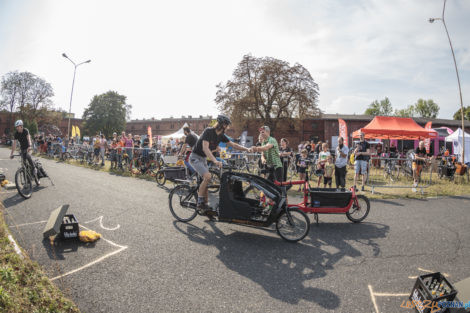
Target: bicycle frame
[{"x": 305, "y": 205}]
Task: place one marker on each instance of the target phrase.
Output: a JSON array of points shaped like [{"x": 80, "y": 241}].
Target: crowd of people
[{"x": 274, "y": 162}]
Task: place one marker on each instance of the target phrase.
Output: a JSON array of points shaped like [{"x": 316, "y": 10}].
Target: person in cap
[
  {"x": 189, "y": 142},
  {"x": 270, "y": 150},
  {"x": 209, "y": 140}
]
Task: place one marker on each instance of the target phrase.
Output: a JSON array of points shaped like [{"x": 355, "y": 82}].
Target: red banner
[
  {"x": 343, "y": 131},
  {"x": 427, "y": 141},
  {"x": 149, "y": 133}
]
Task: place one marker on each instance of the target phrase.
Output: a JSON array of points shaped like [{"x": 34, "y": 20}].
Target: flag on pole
[
  {"x": 427, "y": 141},
  {"x": 73, "y": 131},
  {"x": 343, "y": 131},
  {"x": 77, "y": 131},
  {"x": 149, "y": 133}
]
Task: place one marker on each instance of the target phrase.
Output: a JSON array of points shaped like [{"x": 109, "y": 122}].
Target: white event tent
[
  {"x": 457, "y": 140},
  {"x": 178, "y": 134}
]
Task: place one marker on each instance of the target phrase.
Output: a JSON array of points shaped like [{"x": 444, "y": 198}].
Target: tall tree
[
  {"x": 426, "y": 108},
  {"x": 382, "y": 108},
  {"x": 270, "y": 90},
  {"x": 26, "y": 93},
  {"x": 466, "y": 114},
  {"x": 106, "y": 113}
]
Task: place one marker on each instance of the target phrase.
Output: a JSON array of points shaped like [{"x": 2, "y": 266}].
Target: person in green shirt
[{"x": 270, "y": 155}]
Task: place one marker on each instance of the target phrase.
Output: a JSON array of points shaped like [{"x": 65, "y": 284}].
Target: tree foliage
[
  {"x": 382, "y": 108},
  {"x": 466, "y": 114},
  {"x": 270, "y": 90},
  {"x": 26, "y": 93},
  {"x": 407, "y": 112},
  {"x": 106, "y": 113},
  {"x": 426, "y": 108}
]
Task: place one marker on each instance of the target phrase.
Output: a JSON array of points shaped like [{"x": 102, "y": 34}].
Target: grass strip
[{"x": 24, "y": 287}]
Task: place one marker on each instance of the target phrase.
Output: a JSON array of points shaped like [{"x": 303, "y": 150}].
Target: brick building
[{"x": 323, "y": 128}]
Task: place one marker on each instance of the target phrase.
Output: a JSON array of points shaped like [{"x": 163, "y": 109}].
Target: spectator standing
[
  {"x": 340, "y": 163},
  {"x": 322, "y": 158},
  {"x": 270, "y": 150},
  {"x": 362, "y": 153},
  {"x": 129, "y": 145},
  {"x": 419, "y": 160},
  {"x": 302, "y": 164},
  {"x": 103, "y": 145},
  {"x": 329, "y": 170},
  {"x": 286, "y": 156}
]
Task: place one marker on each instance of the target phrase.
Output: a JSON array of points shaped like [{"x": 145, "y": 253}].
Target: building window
[
  {"x": 157, "y": 126},
  {"x": 314, "y": 125}
]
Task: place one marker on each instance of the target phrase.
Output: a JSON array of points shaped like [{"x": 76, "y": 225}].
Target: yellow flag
[
  {"x": 73, "y": 131},
  {"x": 77, "y": 131}
]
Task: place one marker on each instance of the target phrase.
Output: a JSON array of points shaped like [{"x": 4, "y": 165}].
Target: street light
[
  {"x": 73, "y": 82},
  {"x": 431, "y": 20}
]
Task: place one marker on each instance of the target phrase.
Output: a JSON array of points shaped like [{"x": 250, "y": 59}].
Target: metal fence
[{"x": 398, "y": 173}]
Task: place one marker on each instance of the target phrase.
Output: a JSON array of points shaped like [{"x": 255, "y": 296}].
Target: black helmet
[{"x": 223, "y": 119}]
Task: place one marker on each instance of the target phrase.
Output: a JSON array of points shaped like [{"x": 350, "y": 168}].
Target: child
[
  {"x": 329, "y": 169},
  {"x": 113, "y": 151},
  {"x": 322, "y": 157},
  {"x": 302, "y": 165}
]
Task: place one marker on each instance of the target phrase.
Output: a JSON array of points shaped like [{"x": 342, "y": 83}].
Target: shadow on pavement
[
  {"x": 57, "y": 248},
  {"x": 13, "y": 200},
  {"x": 391, "y": 202},
  {"x": 284, "y": 269}
]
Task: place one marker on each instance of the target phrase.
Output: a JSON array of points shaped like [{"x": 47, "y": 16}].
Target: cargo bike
[
  {"x": 330, "y": 201},
  {"x": 244, "y": 199}
]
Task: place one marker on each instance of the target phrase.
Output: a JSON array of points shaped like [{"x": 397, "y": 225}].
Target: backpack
[{"x": 41, "y": 172}]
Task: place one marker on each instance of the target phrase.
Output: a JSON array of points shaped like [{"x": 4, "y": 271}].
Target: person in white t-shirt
[{"x": 340, "y": 163}]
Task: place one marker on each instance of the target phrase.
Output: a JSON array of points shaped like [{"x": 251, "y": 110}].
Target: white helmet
[{"x": 18, "y": 123}]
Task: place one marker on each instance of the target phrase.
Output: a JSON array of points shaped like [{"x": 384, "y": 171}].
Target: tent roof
[
  {"x": 457, "y": 135},
  {"x": 177, "y": 134},
  {"x": 390, "y": 127}
]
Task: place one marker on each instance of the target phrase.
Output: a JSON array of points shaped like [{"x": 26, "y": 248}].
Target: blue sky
[{"x": 167, "y": 56}]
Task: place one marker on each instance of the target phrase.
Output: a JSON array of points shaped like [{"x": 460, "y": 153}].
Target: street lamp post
[
  {"x": 431, "y": 20},
  {"x": 73, "y": 82}
]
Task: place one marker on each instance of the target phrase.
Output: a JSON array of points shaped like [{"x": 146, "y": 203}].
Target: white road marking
[
  {"x": 428, "y": 271},
  {"x": 380, "y": 294},
  {"x": 121, "y": 248},
  {"x": 15, "y": 246},
  {"x": 26, "y": 224},
  {"x": 101, "y": 223},
  {"x": 372, "y": 296}
]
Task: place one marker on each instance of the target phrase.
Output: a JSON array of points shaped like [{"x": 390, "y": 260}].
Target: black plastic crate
[
  {"x": 432, "y": 287},
  {"x": 175, "y": 172},
  {"x": 69, "y": 227},
  {"x": 329, "y": 197}
]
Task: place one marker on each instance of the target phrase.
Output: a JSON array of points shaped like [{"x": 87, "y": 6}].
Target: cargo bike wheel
[
  {"x": 183, "y": 202},
  {"x": 359, "y": 209},
  {"x": 160, "y": 177},
  {"x": 293, "y": 225},
  {"x": 23, "y": 183}
]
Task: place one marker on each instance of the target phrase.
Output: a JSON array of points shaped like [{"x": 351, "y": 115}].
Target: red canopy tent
[{"x": 389, "y": 127}]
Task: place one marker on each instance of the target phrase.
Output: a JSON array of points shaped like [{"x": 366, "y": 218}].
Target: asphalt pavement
[{"x": 148, "y": 262}]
